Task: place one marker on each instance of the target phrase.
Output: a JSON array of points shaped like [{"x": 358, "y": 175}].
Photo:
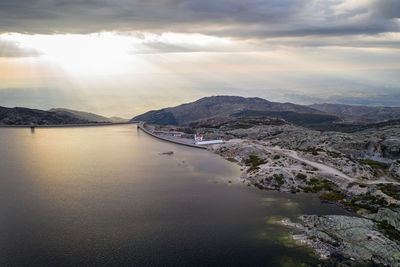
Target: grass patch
[
  {"x": 375, "y": 164},
  {"x": 367, "y": 202},
  {"x": 301, "y": 176},
  {"x": 279, "y": 179},
  {"x": 254, "y": 162},
  {"x": 259, "y": 186},
  {"x": 232, "y": 160},
  {"x": 336, "y": 195},
  {"x": 391, "y": 190},
  {"x": 333, "y": 154},
  {"x": 389, "y": 230}
]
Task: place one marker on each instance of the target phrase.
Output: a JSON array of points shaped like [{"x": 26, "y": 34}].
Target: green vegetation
[
  {"x": 389, "y": 230},
  {"x": 337, "y": 196},
  {"x": 259, "y": 186},
  {"x": 391, "y": 190},
  {"x": 241, "y": 126},
  {"x": 231, "y": 160},
  {"x": 313, "y": 150},
  {"x": 351, "y": 128},
  {"x": 333, "y": 154},
  {"x": 317, "y": 185},
  {"x": 367, "y": 201},
  {"x": 254, "y": 162},
  {"x": 375, "y": 164},
  {"x": 302, "y": 119},
  {"x": 277, "y": 157},
  {"x": 301, "y": 176},
  {"x": 279, "y": 179}
]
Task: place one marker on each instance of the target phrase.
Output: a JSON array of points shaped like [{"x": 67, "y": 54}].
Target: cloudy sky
[{"x": 124, "y": 57}]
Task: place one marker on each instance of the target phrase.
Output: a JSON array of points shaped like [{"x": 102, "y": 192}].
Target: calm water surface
[{"x": 105, "y": 196}]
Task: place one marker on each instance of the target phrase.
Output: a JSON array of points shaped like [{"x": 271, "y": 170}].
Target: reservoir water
[{"x": 105, "y": 196}]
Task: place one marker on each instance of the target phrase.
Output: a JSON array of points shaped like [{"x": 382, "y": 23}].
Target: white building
[{"x": 198, "y": 138}]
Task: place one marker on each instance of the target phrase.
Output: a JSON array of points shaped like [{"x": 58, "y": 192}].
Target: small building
[
  {"x": 178, "y": 134},
  {"x": 198, "y": 137}
]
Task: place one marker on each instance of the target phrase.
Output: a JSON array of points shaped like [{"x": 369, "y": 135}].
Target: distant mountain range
[
  {"x": 360, "y": 113},
  {"x": 317, "y": 116},
  {"x": 334, "y": 117},
  {"x": 27, "y": 116}
]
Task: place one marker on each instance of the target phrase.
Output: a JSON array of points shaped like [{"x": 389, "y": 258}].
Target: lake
[{"x": 105, "y": 196}]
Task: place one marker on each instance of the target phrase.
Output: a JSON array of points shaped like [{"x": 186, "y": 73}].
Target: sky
[{"x": 125, "y": 57}]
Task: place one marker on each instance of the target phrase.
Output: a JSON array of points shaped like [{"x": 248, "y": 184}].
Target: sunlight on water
[{"x": 106, "y": 196}]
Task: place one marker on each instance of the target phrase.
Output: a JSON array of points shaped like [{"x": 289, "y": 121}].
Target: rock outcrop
[{"x": 352, "y": 237}]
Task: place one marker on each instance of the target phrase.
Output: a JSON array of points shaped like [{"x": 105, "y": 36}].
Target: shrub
[
  {"x": 301, "y": 176},
  {"x": 253, "y": 161},
  {"x": 231, "y": 159},
  {"x": 332, "y": 196},
  {"x": 293, "y": 190},
  {"x": 375, "y": 164},
  {"x": 391, "y": 190}
]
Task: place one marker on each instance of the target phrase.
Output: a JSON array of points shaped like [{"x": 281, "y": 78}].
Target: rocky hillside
[
  {"x": 26, "y": 116},
  {"x": 360, "y": 113},
  {"x": 208, "y": 107},
  {"x": 80, "y": 115}
]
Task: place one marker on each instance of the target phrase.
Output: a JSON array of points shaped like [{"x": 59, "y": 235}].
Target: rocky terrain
[
  {"x": 358, "y": 113},
  {"x": 323, "y": 117},
  {"x": 208, "y": 107},
  {"x": 355, "y": 238},
  {"x": 359, "y": 171}
]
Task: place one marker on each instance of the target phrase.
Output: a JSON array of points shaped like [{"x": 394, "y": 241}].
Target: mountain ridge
[
  {"x": 322, "y": 117},
  {"x": 55, "y": 116},
  {"x": 27, "y": 116},
  {"x": 217, "y": 106}
]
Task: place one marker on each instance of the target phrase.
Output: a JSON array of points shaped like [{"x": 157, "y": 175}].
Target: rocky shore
[
  {"x": 359, "y": 171},
  {"x": 355, "y": 238}
]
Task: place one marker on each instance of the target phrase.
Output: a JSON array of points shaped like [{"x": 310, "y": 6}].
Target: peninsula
[{"x": 357, "y": 166}]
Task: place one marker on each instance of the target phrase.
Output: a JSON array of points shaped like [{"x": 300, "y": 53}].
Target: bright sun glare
[
  {"x": 103, "y": 53},
  {"x": 84, "y": 54}
]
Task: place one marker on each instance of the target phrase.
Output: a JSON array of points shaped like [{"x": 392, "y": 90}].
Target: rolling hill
[
  {"x": 208, "y": 107},
  {"x": 80, "y": 115},
  {"x": 27, "y": 116}
]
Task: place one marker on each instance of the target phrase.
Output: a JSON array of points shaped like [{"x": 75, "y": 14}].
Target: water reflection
[{"x": 105, "y": 196}]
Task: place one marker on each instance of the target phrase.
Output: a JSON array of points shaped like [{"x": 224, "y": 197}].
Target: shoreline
[
  {"x": 68, "y": 125},
  {"x": 141, "y": 126},
  {"x": 365, "y": 236}
]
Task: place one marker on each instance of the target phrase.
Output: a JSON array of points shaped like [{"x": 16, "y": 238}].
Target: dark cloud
[
  {"x": 11, "y": 49},
  {"x": 233, "y": 18}
]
